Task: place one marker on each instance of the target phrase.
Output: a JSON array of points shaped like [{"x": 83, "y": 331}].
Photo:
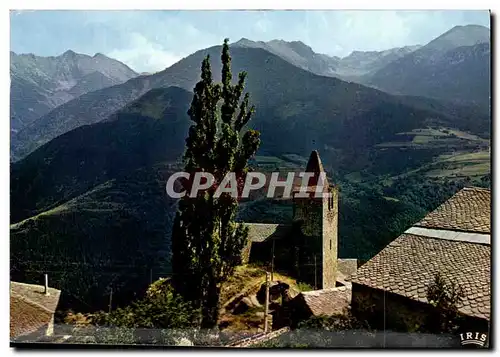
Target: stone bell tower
[{"x": 315, "y": 216}]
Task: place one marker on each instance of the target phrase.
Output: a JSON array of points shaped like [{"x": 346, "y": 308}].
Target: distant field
[
  {"x": 481, "y": 156},
  {"x": 457, "y": 165},
  {"x": 435, "y": 137},
  {"x": 462, "y": 165},
  {"x": 466, "y": 171},
  {"x": 286, "y": 162},
  {"x": 462, "y": 154},
  {"x": 425, "y": 136},
  {"x": 267, "y": 159},
  {"x": 468, "y": 136},
  {"x": 296, "y": 158},
  {"x": 391, "y": 199}
]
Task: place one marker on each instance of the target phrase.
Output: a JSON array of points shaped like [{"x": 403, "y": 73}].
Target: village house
[
  {"x": 453, "y": 240},
  {"x": 307, "y": 247},
  {"x": 391, "y": 288},
  {"x": 32, "y": 309},
  {"x": 315, "y": 303}
]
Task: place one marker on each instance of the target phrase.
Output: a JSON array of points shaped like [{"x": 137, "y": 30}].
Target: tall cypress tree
[{"x": 206, "y": 240}]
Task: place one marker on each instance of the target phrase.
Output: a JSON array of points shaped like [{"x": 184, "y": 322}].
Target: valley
[{"x": 88, "y": 173}]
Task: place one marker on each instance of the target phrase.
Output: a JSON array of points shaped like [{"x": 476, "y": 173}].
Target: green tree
[
  {"x": 156, "y": 318},
  {"x": 444, "y": 296},
  {"x": 206, "y": 241}
]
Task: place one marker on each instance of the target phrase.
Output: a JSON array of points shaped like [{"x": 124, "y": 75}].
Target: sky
[{"x": 150, "y": 41}]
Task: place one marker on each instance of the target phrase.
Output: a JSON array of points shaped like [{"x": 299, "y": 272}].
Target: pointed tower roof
[{"x": 314, "y": 165}]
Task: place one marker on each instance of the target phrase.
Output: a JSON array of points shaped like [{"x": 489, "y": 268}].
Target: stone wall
[
  {"x": 308, "y": 219},
  {"x": 329, "y": 235},
  {"x": 385, "y": 310},
  {"x": 309, "y": 212},
  {"x": 318, "y": 243}
]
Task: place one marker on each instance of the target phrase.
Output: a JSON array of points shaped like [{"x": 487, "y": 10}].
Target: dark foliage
[
  {"x": 445, "y": 296},
  {"x": 206, "y": 240},
  {"x": 161, "y": 316},
  {"x": 102, "y": 241}
]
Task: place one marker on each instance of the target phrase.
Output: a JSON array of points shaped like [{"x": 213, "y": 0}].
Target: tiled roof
[
  {"x": 259, "y": 232},
  {"x": 408, "y": 265},
  {"x": 30, "y": 308},
  {"x": 468, "y": 210},
  {"x": 327, "y": 301},
  {"x": 26, "y": 317},
  {"x": 35, "y": 293}
]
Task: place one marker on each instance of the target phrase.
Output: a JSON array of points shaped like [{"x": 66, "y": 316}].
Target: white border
[{"x": 255, "y": 5}]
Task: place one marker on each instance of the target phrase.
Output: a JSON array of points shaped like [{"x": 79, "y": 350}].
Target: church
[{"x": 306, "y": 247}]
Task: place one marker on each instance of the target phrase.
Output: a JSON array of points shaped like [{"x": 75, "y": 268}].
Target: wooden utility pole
[
  {"x": 315, "y": 274},
  {"x": 267, "y": 304},
  {"x": 110, "y": 299},
  {"x": 46, "y": 289}
]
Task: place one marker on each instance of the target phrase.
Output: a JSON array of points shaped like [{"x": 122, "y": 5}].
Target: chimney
[{"x": 46, "y": 284}]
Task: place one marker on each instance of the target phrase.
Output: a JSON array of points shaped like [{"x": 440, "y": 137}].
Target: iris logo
[{"x": 473, "y": 338}]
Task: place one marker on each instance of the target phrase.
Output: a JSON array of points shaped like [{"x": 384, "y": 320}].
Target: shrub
[
  {"x": 156, "y": 318},
  {"x": 342, "y": 330},
  {"x": 444, "y": 296},
  {"x": 304, "y": 286},
  {"x": 339, "y": 322}
]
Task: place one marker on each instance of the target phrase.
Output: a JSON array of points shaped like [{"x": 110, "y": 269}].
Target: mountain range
[
  {"x": 352, "y": 67},
  {"x": 90, "y": 174},
  {"x": 433, "y": 70},
  {"x": 39, "y": 84},
  {"x": 455, "y": 67}
]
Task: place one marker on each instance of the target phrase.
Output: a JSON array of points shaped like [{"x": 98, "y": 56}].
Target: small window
[
  {"x": 330, "y": 244},
  {"x": 330, "y": 203}
]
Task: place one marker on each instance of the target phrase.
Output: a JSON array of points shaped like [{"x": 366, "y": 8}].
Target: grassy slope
[
  {"x": 88, "y": 156},
  {"x": 100, "y": 240},
  {"x": 247, "y": 280},
  {"x": 90, "y": 208}
]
